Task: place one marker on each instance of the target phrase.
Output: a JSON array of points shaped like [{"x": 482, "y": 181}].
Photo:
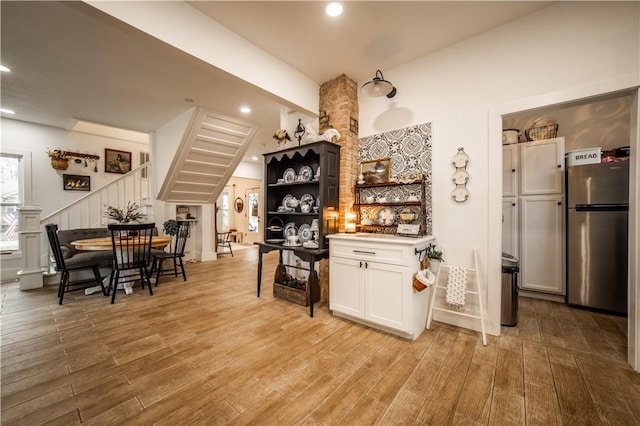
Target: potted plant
[
  {"x": 129, "y": 214},
  {"x": 435, "y": 257},
  {"x": 171, "y": 227}
]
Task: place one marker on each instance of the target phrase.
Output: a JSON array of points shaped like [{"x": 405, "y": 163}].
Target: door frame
[{"x": 628, "y": 83}]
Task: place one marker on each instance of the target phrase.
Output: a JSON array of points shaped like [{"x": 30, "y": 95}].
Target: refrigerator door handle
[{"x": 601, "y": 207}]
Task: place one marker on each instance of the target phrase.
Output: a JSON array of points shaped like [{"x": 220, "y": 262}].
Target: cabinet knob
[
  {"x": 361, "y": 264},
  {"x": 559, "y": 203},
  {"x": 513, "y": 170},
  {"x": 513, "y": 204},
  {"x": 559, "y": 166}
]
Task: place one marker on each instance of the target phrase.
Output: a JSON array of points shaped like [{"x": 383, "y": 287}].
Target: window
[
  {"x": 225, "y": 210},
  {"x": 143, "y": 158},
  {"x": 11, "y": 194}
]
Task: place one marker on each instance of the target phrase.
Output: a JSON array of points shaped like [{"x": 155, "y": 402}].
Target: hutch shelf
[
  {"x": 378, "y": 205},
  {"x": 301, "y": 192}
]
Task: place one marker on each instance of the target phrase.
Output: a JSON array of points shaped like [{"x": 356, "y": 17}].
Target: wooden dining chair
[
  {"x": 131, "y": 246},
  {"x": 224, "y": 240},
  {"x": 176, "y": 253},
  {"x": 68, "y": 265}
]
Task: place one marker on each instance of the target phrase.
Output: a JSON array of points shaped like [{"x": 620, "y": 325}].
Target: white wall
[
  {"x": 46, "y": 181},
  {"x": 567, "y": 45}
]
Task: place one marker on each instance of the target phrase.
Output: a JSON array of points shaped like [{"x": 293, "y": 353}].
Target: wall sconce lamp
[{"x": 378, "y": 87}]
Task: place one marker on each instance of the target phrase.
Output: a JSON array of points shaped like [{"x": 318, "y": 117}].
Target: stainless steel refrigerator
[{"x": 597, "y": 235}]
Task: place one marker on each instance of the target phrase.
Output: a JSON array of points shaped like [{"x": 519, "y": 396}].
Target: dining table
[{"x": 106, "y": 244}]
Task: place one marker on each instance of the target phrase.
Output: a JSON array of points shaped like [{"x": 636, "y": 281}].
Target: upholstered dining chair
[
  {"x": 66, "y": 266},
  {"x": 224, "y": 240},
  {"x": 131, "y": 244},
  {"x": 176, "y": 253}
]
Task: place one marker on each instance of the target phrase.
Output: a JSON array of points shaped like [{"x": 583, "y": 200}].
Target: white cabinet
[
  {"x": 510, "y": 156},
  {"x": 371, "y": 279},
  {"x": 510, "y": 226},
  {"x": 532, "y": 212},
  {"x": 541, "y": 167},
  {"x": 542, "y": 256},
  {"x": 348, "y": 295}
]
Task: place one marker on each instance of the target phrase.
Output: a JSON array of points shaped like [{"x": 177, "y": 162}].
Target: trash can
[{"x": 509, "y": 305}]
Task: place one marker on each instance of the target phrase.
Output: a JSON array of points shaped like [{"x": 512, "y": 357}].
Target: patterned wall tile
[{"x": 410, "y": 151}]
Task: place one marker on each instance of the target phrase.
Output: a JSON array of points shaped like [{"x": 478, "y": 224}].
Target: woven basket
[
  {"x": 289, "y": 294},
  {"x": 296, "y": 296},
  {"x": 549, "y": 131}
]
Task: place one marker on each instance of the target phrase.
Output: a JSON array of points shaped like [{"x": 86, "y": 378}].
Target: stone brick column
[{"x": 339, "y": 110}]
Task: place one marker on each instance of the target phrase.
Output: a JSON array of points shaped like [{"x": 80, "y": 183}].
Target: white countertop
[{"x": 382, "y": 238}]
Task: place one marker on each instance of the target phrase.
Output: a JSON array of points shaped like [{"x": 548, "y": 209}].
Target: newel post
[{"x": 30, "y": 275}]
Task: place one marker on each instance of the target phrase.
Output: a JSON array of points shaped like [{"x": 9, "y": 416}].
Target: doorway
[
  {"x": 253, "y": 196},
  {"x": 583, "y": 96}
]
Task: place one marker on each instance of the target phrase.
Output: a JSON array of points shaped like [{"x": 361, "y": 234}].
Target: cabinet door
[
  {"x": 510, "y": 170},
  {"x": 510, "y": 226},
  {"x": 542, "y": 167},
  {"x": 542, "y": 257},
  {"x": 346, "y": 287},
  {"x": 385, "y": 301}
]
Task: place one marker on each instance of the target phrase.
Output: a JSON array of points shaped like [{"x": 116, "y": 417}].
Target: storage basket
[
  {"x": 549, "y": 131},
  {"x": 275, "y": 224},
  {"x": 290, "y": 294},
  {"x": 295, "y": 295}
]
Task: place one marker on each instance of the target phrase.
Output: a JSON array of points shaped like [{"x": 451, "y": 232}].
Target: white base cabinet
[
  {"x": 542, "y": 256},
  {"x": 371, "y": 282}
]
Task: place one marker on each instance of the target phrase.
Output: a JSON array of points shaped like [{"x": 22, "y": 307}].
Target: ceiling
[{"x": 72, "y": 62}]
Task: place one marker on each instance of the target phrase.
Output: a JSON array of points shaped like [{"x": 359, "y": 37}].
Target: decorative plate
[
  {"x": 290, "y": 229},
  {"x": 305, "y": 233},
  {"x": 276, "y": 240},
  {"x": 460, "y": 194},
  {"x": 460, "y": 177},
  {"x": 285, "y": 200},
  {"x": 287, "y": 244},
  {"x": 289, "y": 175},
  {"x": 306, "y": 172},
  {"x": 461, "y": 159},
  {"x": 386, "y": 216},
  {"x": 307, "y": 199}
]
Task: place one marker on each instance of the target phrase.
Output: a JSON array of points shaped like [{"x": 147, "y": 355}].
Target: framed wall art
[
  {"x": 76, "y": 183},
  {"x": 375, "y": 171},
  {"x": 117, "y": 161}
]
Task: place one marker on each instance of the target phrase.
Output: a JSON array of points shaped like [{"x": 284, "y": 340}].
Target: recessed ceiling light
[
  {"x": 4, "y": 69},
  {"x": 254, "y": 158},
  {"x": 7, "y": 111},
  {"x": 334, "y": 9},
  {"x": 245, "y": 109}
]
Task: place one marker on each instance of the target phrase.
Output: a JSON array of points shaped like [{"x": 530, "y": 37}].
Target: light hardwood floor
[{"x": 210, "y": 352}]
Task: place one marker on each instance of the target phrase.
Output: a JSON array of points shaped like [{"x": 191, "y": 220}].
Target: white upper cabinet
[
  {"x": 542, "y": 167},
  {"x": 510, "y": 155}
]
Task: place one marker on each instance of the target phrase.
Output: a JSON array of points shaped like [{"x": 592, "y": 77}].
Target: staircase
[{"x": 212, "y": 147}]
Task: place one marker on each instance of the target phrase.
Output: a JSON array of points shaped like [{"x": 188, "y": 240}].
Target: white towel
[{"x": 456, "y": 286}]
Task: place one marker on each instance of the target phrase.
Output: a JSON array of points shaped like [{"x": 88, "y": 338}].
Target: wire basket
[{"x": 549, "y": 131}]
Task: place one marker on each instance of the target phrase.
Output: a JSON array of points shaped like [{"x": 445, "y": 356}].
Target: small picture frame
[
  {"x": 375, "y": 171},
  {"x": 76, "y": 183},
  {"x": 117, "y": 161}
]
